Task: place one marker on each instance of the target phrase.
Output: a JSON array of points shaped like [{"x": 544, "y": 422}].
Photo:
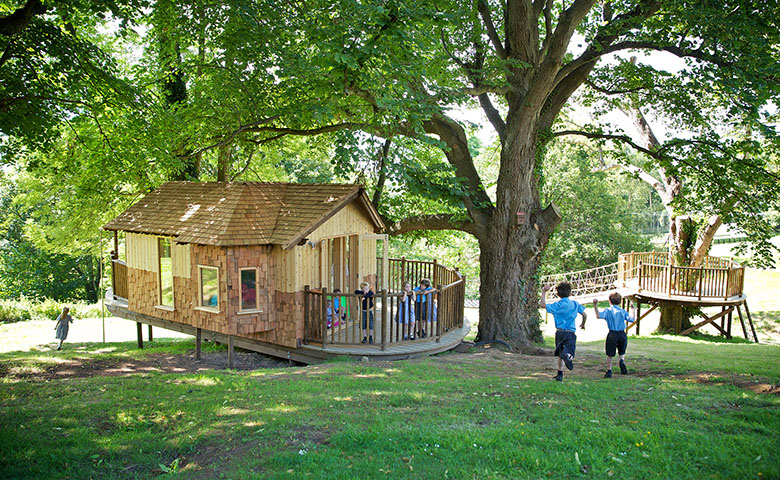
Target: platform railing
[
  {"x": 715, "y": 278},
  {"x": 340, "y": 318}
]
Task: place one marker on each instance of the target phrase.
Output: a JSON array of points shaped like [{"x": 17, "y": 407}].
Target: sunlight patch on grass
[
  {"x": 202, "y": 381},
  {"x": 231, "y": 411}
]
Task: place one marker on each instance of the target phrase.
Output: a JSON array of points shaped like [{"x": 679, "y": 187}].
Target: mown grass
[{"x": 456, "y": 416}]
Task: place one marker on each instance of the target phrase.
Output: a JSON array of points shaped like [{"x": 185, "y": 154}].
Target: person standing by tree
[{"x": 63, "y": 324}]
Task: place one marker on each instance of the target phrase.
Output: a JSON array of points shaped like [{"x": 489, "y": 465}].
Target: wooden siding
[
  {"x": 303, "y": 265},
  {"x": 142, "y": 254}
]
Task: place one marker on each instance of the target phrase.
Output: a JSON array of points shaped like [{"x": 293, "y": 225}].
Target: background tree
[{"x": 403, "y": 67}]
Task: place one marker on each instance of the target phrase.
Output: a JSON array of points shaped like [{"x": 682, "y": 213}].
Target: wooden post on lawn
[
  {"x": 140, "y": 335},
  {"x": 198, "y": 339},
  {"x": 230, "y": 351},
  {"x": 150, "y": 333}
]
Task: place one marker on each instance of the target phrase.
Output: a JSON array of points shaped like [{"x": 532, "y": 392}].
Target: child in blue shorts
[
  {"x": 564, "y": 312},
  {"x": 617, "y": 319}
]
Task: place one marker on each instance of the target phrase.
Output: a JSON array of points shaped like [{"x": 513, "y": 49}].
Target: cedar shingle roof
[{"x": 228, "y": 214}]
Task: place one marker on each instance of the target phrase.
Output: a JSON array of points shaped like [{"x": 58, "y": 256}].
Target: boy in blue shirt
[
  {"x": 617, "y": 319},
  {"x": 564, "y": 312}
]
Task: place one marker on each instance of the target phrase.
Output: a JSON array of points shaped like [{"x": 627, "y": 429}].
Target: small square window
[
  {"x": 249, "y": 289},
  {"x": 209, "y": 287}
]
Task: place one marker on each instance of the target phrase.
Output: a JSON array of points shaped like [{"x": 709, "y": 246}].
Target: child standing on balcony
[
  {"x": 421, "y": 305},
  {"x": 564, "y": 312},
  {"x": 406, "y": 307},
  {"x": 334, "y": 309},
  {"x": 367, "y": 311},
  {"x": 617, "y": 319}
]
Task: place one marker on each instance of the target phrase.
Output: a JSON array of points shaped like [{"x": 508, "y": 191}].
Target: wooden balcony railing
[
  {"x": 651, "y": 272},
  {"x": 339, "y": 318}
]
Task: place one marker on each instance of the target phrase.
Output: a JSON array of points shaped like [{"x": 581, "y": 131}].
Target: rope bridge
[{"x": 585, "y": 284}]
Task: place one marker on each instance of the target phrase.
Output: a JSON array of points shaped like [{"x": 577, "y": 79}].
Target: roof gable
[{"x": 228, "y": 214}]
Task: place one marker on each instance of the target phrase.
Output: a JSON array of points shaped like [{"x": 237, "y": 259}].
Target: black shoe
[
  {"x": 567, "y": 360},
  {"x": 423, "y": 335},
  {"x": 608, "y": 374},
  {"x": 411, "y": 338},
  {"x": 623, "y": 368},
  {"x": 370, "y": 339},
  {"x": 59, "y": 348},
  {"x": 364, "y": 340},
  {"x": 559, "y": 377}
]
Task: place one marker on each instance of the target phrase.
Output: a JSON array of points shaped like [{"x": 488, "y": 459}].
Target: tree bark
[
  {"x": 509, "y": 253},
  {"x": 674, "y": 318}
]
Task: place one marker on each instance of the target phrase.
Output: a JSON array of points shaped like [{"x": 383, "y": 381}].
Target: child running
[
  {"x": 564, "y": 312},
  {"x": 617, "y": 319}
]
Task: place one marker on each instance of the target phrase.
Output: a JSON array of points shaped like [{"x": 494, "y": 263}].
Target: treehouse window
[
  {"x": 166, "y": 272},
  {"x": 248, "y": 289},
  {"x": 209, "y": 287}
]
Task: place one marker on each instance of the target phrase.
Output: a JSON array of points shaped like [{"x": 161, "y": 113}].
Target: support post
[
  {"x": 638, "y": 307},
  {"x": 198, "y": 340},
  {"x": 306, "y": 319},
  {"x": 750, "y": 322},
  {"x": 742, "y": 321},
  {"x": 322, "y": 322},
  {"x": 140, "y": 335},
  {"x": 230, "y": 351},
  {"x": 151, "y": 338},
  {"x": 382, "y": 337},
  {"x": 439, "y": 313},
  {"x": 728, "y": 330}
]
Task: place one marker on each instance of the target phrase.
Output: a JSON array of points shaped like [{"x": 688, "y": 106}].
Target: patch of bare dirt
[{"x": 165, "y": 363}]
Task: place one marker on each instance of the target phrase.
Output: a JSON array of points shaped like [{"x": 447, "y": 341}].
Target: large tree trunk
[
  {"x": 674, "y": 318},
  {"x": 508, "y": 305},
  {"x": 509, "y": 249}
]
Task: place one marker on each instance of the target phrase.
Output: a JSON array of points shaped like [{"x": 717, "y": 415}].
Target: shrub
[
  {"x": 25, "y": 309},
  {"x": 13, "y": 311}
]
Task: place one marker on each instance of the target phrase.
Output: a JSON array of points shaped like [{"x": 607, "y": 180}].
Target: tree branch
[
  {"x": 493, "y": 115},
  {"x": 18, "y": 21},
  {"x": 441, "y": 221},
  {"x": 484, "y": 12},
  {"x": 380, "y": 183}
]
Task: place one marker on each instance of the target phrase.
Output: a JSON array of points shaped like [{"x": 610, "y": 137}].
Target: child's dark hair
[
  {"x": 425, "y": 282},
  {"x": 336, "y": 290},
  {"x": 563, "y": 289},
  {"x": 615, "y": 298}
]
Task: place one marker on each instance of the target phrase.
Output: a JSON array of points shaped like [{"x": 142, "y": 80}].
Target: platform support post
[
  {"x": 638, "y": 315},
  {"x": 230, "y": 351},
  {"x": 198, "y": 340},
  {"x": 140, "y": 334},
  {"x": 742, "y": 321},
  {"x": 750, "y": 322},
  {"x": 150, "y": 333}
]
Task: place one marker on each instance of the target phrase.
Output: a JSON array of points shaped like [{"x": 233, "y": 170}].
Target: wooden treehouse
[
  {"x": 255, "y": 265},
  {"x": 650, "y": 278}
]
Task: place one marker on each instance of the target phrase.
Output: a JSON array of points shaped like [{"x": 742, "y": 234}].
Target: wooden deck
[
  {"x": 394, "y": 351},
  {"x": 307, "y": 353}
]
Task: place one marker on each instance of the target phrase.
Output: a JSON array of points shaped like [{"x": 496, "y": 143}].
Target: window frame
[
  {"x": 200, "y": 306},
  {"x": 257, "y": 308},
  {"x": 160, "y": 303}
]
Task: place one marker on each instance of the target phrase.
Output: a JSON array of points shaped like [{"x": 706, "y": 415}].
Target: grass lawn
[{"x": 690, "y": 409}]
